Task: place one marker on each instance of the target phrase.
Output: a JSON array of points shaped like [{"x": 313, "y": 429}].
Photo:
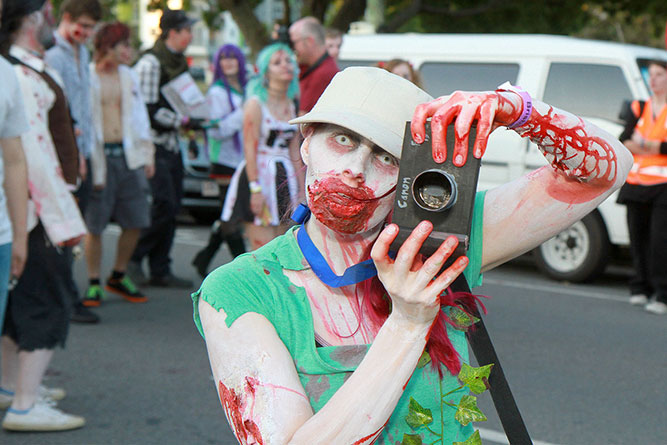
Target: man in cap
[
  {"x": 323, "y": 333},
  {"x": 159, "y": 65},
  {"x": 316, "y": 66},
  {"x": 70, "y": 58},
  {"x": 37, "y": 316}
]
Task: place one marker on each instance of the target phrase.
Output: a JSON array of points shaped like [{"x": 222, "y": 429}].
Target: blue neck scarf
[{"x": 352, "y": 275}]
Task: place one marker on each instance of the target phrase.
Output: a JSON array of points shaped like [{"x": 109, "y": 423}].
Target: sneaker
[
  {"x": 94, "y": 296},
  {"x": 171, "y": 280},
  {"x": 656, "y": 307},
  {"x": 41, "y": 417},
  {"x": 81, "y": 314},
  {"x": 126, "y": 288},
  {"x": 44, "y": 393},
  {"x": 638, "y": 299}
]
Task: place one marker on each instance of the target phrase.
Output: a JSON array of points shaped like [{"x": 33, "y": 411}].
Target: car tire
[{"x": 579, "y": 253}]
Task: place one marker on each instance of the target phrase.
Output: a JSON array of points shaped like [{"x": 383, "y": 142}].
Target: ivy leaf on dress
[
  {"x": 477, "y": 379},
  {"x": 418, "y": 415},
  {"x": 411, "y": 439},
  {"x": 468, "y": 412},
  {"x": 460, "y": 319},
  {"x": 474, "y": 439},
  {"x": 424, "y": 360}
]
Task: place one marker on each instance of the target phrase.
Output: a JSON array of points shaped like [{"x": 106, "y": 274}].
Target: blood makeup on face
[{"x": 340, "y": 207}]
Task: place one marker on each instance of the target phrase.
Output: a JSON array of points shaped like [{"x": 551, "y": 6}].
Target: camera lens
[{"x": 434, "y": 190}]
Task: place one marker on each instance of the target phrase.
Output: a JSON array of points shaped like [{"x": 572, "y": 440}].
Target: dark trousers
[
  {"x": 647, "y": 224},
  {"x": 82, "y": 195},
  {"x": 167, "y": 189}
]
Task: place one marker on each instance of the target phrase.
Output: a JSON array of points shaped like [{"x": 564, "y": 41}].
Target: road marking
[
  {"x": 558, "y": 289},
  {"x": 498, "y": 437}
]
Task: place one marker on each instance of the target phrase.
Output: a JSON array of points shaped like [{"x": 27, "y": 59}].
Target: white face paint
[{"x": 345, "y": 176}]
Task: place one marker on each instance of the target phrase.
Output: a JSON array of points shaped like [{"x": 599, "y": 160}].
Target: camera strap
[
  {"x": 352, "y": 275},
  {"x": 485, "y": 353}
]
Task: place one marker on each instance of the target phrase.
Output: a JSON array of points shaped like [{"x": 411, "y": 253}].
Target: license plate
[{"x": 209, "y": 188}]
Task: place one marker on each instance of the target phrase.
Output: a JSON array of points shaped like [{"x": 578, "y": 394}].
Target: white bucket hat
[{"x": 372, "y": 102}]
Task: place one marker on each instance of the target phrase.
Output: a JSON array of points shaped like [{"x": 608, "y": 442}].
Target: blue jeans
[{"x": 5, "y": 264}]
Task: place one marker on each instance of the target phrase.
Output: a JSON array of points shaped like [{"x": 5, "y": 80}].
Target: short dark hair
[
  {"x": 78, "y": 8},
  {"x": 108, "y": 36}
]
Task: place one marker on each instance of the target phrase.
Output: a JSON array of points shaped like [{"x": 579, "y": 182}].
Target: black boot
[{"x": 203, "y": 258}]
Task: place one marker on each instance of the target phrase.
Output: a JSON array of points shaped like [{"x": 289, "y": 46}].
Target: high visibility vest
[{"x": 649, "y": 169}]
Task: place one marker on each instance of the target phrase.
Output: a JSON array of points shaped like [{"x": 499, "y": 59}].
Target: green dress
[{"x": 255, "y": 282}]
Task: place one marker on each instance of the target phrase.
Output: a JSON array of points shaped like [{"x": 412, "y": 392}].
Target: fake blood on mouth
[{"x": 340, "y": 207}]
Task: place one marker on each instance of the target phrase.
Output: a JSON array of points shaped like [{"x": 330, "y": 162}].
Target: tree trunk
[
  {"x": 253, "y": 30},
  {"x": 315, "y": 8},
  {"x": 350, "y": 11}
]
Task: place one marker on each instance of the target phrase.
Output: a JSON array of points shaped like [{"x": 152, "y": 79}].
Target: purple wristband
[{"x": 527, "y": 109}]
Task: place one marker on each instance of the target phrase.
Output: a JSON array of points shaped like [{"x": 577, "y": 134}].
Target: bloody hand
[{"x": 489, "y": 109}]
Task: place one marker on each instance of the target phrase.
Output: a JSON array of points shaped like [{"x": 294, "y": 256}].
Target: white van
[{"x": 589, "y": 78}]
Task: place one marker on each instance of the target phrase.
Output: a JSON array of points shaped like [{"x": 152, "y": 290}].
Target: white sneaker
[
  {"x": 41, "y": 417},
  {"x": 43, "y": 393},
  {"x": 638, "y": 299},
  {"x": 656, "y": 307}
]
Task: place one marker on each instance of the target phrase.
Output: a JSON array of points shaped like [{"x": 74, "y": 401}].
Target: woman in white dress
[{"x": 265, "y": 186}]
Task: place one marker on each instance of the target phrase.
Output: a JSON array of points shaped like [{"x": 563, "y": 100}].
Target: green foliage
[
  {"x": 474, "y": 439},
  {"x": 418, "y": 415},
  {"x": 424, "y": 360},
  {"x": 411, "y": 439},
  {"x": 462, "y": 321},
  {"x": 475, "y": 378},
  {"x": 467, "y": 411}
]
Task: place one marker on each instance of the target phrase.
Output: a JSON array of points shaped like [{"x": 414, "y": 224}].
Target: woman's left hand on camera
[
  {"x": 410, "y": 281},
  {"x": 489, "y": 109}
]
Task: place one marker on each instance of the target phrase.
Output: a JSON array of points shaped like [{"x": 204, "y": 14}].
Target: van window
[
  {"x": 342, "y": 64},
  {"x": 442, "y": 78},
  {"x": 587, "y": 90}
]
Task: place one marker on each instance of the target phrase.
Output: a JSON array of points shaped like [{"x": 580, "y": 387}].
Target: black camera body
[{"x": 441, "y": 193}]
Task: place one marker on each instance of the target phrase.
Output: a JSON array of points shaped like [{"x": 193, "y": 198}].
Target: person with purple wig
[{"x": 225, "y": 147}]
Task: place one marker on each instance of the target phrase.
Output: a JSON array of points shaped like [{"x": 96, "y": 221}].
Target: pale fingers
[
  {"x": 447, "y": 277},
  {"x": 434, "y": 263},
  {"x": 410, "y": 248},
  {"x": 380, "y": 250}
]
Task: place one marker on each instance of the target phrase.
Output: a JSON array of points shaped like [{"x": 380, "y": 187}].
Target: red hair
[
  {"x": 110, "y": 35},
  {"x": 377, "y": 307}
]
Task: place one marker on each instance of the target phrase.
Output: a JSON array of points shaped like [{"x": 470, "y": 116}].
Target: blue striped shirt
[{"x": 76, "y": 78}]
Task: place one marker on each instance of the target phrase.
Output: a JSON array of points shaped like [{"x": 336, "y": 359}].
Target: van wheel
[{"x": 578, "y": 253}]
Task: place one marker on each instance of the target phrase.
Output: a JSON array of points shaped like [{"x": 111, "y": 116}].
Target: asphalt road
[{"x": 585, "y": 367}]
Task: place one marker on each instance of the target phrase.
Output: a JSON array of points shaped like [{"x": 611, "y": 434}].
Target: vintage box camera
[{"x": 441, "y": 193}]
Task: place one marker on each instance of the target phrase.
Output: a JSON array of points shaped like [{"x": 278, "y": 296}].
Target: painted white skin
[{"x": 250, "y": 348}]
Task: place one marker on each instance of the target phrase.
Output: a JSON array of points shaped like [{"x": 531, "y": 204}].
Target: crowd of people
[{"x": 87, "y": 140}]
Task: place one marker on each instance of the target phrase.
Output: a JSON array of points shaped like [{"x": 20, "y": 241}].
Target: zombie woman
[
  {"x": 265, "y": 185},
  {"x": 306, "y": 346}
]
